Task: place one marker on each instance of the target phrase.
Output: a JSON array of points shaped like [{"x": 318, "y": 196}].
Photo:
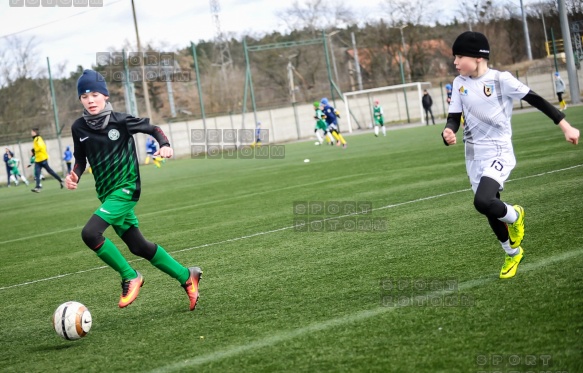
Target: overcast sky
[{"x": 74, "y": 35}]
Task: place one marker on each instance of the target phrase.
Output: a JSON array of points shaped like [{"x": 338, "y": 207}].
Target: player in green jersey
[
  {"x": 14, "y": 173},
  {"x": 379, "y": 120},
  {"x": 321, "y": 125},
  {"x": 104, "y": 138}
]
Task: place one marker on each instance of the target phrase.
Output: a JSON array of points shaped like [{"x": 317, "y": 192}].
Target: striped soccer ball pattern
[{"x": 72, "y": 320}]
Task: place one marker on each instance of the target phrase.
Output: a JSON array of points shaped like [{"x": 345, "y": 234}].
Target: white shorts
[{"x": 495, "y": 168}]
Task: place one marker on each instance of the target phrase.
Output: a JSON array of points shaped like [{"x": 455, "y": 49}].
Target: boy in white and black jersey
[{"x": 484, "y": 96}]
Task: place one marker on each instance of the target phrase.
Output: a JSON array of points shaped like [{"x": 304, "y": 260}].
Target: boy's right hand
[
  {"x": 71, "y": 181},
  {"x": 449, "y": 136}
]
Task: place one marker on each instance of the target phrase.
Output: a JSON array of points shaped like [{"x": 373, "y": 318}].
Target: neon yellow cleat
[
  {"x": 511, "y": 264},
  {"x": 516, "y": 229}
]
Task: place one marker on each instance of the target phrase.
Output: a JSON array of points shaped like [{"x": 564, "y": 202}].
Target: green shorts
[
  {"x": 118, "y": 210},
  {"x": 321, "y": 126}
]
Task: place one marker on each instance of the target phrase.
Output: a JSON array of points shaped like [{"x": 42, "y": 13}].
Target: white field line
[
  {"x": 284, "y": 228},
  {"x": 185, "y": 207},
  {"x": 190, "y": 362}
]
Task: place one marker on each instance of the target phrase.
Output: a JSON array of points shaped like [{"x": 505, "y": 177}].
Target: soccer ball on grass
[{"x": 72, "y": 320}]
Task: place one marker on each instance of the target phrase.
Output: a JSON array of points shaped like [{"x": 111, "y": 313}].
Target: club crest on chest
[{"x": 113, "y": 134}]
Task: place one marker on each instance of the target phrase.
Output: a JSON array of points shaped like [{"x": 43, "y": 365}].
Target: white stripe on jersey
[{"x": 486, "y": 103}]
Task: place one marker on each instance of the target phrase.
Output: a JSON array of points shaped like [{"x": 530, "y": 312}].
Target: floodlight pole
[
  {"x": 403, "y": 45},
  {"x": 169, "y": 75},
  {"x": 328, "y": 67},
  {"x": 442, "y": 99},
  {"x": 332, "y": 54},
  {"x": 571, "y": 71},
  {"x": 249, "y": 81},
  {"x": 525, "y": 29},
  {"x": 56, "y": 115},
  {"x": 198, "y": 86},
  {"x": 554, "y": 50},
  {"x": 144, "y": 79},
  {"x": 130, "y": 94},
  {"x": 402, "y": 37},
  {"x": 542, "y": 17},
  {"x": 404, "y": 89},
  {"x": 292, "y": 91},
  {"x": 356, "y": 62}
]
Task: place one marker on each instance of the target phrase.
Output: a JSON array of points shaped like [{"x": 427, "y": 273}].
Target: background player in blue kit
[
  {"x": 331, "y": 117},
  {"x": 448, "y": 93},
  {"x": 151, "y": 149}
]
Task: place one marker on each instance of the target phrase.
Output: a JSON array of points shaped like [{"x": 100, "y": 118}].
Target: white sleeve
[
  {"x": 512, "y": 87},
  {"x": 455, "y": 105}
]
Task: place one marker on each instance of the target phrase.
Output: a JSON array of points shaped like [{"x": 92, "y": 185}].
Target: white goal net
[{"x": 401, "y": 104}]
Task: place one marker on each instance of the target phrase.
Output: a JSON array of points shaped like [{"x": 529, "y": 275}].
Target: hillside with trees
[{"x": 424, "y": 46}]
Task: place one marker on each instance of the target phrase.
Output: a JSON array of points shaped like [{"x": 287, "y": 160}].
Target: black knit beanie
[{"x": 471, "y": 44}]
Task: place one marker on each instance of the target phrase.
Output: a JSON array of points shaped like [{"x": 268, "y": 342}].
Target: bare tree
[
  {"x": 477, "y": 11},
  {"x": 411, "y": 17},
  {"x": 574, "y": 7},
  {"x": 546, "y": 6},
  {"x": 4, "y": 67},
  {"x": 316, "y": 15},
  {"x": 540, "y": 18},
  {"x": 409, "y": 12},
  {"x": 382, "y": 45},
  {"x": 18, "y": 60}
]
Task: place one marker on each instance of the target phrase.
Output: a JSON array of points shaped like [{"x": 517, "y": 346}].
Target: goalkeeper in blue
[{"x": 485, "y": 96}]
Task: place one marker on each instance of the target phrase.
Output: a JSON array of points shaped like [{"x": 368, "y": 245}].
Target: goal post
[{"x": 400, "y": 103}]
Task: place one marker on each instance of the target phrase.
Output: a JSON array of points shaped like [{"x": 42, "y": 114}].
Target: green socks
[
  {"x": 161, "y": 260},
  {"x": 167, "y": 264},
  {"x": 113, "y": 258}
]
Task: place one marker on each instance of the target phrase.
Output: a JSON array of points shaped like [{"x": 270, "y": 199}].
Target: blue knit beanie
[{"x": 91, "y": 81}]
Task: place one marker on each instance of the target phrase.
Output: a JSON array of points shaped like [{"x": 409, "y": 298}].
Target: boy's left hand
[
  {"x": 571, "y": 133},
  {"x": 165, "y": 152},
  {"x": 71, "y": 181}
]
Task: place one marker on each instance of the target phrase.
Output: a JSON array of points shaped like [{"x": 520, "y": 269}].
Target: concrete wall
[
  {"x": 281, "y": 123},
  {"x": 395, "y": 111}
]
